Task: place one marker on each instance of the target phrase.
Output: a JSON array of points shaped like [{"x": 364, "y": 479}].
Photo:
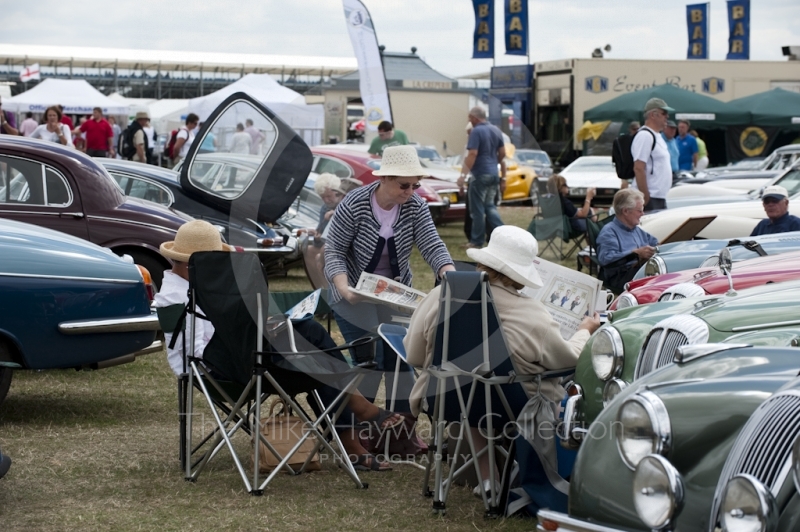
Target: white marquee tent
[
  {"x": 76, "y": 95},
  {"x": 290, "y": 106}
]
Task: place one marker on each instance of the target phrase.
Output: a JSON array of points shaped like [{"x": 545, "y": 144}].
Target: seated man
[
  {"x": 622, "y": 245},
  {"x": 776, "y": 205},
  {"x": 533, "y": 338},
  {"x": 199, "y": 235}
]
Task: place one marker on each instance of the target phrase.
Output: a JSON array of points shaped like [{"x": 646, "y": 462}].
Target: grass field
[{"x": 99, "y": 451}]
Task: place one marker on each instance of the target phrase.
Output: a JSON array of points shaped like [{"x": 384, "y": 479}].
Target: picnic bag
[{"x": 283, "y": 431}]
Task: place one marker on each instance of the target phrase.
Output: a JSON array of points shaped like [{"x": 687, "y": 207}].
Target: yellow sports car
[{"x": 519, "y": 178}]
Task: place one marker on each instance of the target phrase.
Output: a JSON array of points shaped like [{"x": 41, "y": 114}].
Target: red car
[
  {"x": 443, "y": 197},
  {"x": 707, "y": 281}
]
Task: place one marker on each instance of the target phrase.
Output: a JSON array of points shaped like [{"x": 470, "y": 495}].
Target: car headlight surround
[
  {"x": 748, "y": 506},
  {"x": 626, "y": 300},
  {"x": 643, "y": 427},
  {"x": 607, "y": 353},
  {"x": 612, "y": 388},
  {"x": 655, "y": 266},
  {"x": 658, "y": 492}
]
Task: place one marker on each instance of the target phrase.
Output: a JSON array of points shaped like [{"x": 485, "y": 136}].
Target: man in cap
[
  {"x": 672, "y": 146},
  {"x": 651, "y": 159},
  {"x": 138, "y": 139},
  {"x": 776, "y": 204}
]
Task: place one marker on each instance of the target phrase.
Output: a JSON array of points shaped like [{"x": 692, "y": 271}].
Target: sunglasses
[
  {"x": 406, "y": 186},
  {"x": 771, "y": 200}
]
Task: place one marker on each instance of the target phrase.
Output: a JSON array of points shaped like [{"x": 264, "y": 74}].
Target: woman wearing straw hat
[
  {"x": 373, "y": 230},
  {"x": 533, "y": 338}
]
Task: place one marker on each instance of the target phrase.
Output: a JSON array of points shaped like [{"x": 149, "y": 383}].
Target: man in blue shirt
[
  {"x": 687, "y": 146},
  {"x": 622, "y": 245},
  {"x": 668, "y": 134},
  {"x": 485, "y": 149},
  {"x": 776, "y": 204}
]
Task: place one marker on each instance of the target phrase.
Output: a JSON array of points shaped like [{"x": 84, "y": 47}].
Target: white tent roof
[{"x": 76, "y": 95}]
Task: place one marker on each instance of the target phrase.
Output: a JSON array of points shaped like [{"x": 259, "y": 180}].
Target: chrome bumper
[
  {"x": 565, "y": 523},
  {"x": 571, "y": 433},
  {"x": 112, "y": 325}
]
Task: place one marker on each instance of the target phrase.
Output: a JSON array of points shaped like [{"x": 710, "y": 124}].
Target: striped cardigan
[{"x": 353, "y": 235}]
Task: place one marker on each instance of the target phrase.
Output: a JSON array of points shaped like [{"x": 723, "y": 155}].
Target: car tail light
[{"x": 149, "y": 285}]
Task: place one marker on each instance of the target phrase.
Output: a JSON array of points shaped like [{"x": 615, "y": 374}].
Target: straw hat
[
  {"x": 400, "y": 161},
  {"x": 141, "y": 114},
  {"x": 196, "y": 235},
  {"x": 511, "y": 251}
]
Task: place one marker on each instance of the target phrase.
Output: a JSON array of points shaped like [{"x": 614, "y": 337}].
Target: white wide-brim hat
[
  {"x": 400, "y": 161},
  {"x": 511, "y": 251},
  {"x": 193, "y": 236}
]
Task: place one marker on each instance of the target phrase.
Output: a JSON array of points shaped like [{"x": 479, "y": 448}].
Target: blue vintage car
[
  {"x": 705, "y": 443},
  {"x": 68, "y": 303}
]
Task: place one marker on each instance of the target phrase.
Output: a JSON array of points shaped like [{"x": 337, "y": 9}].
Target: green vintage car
[
  {"x": 708, "y": 436},
  {"x": 638, "y": 340}
]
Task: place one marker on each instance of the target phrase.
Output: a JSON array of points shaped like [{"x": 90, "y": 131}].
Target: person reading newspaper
[
  {"x": 533, "y": 337},
  {"x": 199, "y": 235},
  {"x": 373, "y": 230}
]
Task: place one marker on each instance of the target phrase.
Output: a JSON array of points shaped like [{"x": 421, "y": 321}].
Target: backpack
[
  {"x": 621, "y": 154},
  {"x": 173, "y": 136},
  {"x": 126, "y": 147}
]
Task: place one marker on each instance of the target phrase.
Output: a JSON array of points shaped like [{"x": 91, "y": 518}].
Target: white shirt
[
  {"x": 184, "y": 133},
  {"x": 41, "y": 132},
  {"x": 174, "y": 290},
  {"x": 657, "y": 163},
  {"x": 241, "y": 142}
]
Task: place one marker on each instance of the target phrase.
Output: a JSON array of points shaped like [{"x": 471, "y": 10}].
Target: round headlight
[
  {"x": 657, "y": 491},
  {"x": 612, "y": 389},
  {"x": 607, "y": 353},
  {"x": 625, "y": 300},
  {"x": 747, "y": 506},
  {"x": 643, "y": 428},
  {"x": 655, "y": 266}
]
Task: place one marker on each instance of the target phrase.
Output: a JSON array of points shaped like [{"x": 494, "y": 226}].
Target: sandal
[
  {"x": 369, "y": 462},
  {"x": 379, "y": 421}
]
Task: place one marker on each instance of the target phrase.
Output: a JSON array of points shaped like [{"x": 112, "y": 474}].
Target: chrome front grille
[
  {"x": 664, "y": 340},
  {"x": 763, "y": 448}
]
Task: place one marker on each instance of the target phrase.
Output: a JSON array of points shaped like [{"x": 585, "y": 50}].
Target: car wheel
[
  {"x": 533, "y": 197},
  {"x": 153, "y": 265}
]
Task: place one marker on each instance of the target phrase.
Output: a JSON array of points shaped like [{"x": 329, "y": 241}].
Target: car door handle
[{"x": 76, "y": 215}]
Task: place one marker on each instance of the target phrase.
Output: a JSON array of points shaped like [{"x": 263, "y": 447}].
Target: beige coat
[{"x": 533, "y": 338}]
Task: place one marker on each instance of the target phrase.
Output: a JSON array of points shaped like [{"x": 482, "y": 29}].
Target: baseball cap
[
  {"x": 657, "y": 103},
  {"x": 671, "y": 123},
  {"x": 775, "y": 191}
]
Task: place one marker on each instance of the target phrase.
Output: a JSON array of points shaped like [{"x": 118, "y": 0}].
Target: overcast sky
[{"x": 440, "y": 29}]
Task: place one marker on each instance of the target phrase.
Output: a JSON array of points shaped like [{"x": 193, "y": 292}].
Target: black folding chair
[{"x": 236, "y": 374}]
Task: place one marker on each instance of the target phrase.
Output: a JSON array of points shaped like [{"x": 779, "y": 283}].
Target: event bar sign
[
  {"x": 483, "y": 39},
  {"x": 739, "y": 28},
  {"x": 697, "y": 22},
  {"x": 371, "y": 79},
  {"x": 516, "y": 27}
]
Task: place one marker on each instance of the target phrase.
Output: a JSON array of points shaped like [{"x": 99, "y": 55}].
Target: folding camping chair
[
  {"x": 553, "y": 227},
  {"x": 236, "y": 375},
  {"x": 471, "y": 372}
]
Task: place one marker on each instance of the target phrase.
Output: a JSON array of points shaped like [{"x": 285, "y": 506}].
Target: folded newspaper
[
  {"x": 306, "y": 308},
  {"x": 567, "y": 294},
  {"x": 388, "y": 292}
]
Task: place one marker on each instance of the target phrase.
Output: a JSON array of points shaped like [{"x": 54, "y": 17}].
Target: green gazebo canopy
[
  {"x": 629, "y": 107},
  {"x": 776, "y": 107}
]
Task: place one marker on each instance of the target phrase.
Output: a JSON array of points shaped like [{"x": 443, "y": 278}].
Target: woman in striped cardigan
[{"x": 374, "y": 230}]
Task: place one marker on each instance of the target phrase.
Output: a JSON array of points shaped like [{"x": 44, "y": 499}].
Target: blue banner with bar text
[
  {"x": 483, "y": 39},
  {"x": 697, "y": 22},
  {"x": 739, "y": 29},
  {"x": 516, "y": 27}
]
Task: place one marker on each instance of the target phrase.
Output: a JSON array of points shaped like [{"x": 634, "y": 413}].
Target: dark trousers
[
  {"x": 97, "y": 153},
  {"x": 655, "y": 204}
]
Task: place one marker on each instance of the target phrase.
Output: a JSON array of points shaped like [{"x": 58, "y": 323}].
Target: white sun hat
[
  {"x": 511, "y": 251},
  {"x": 400, "y": 161}
]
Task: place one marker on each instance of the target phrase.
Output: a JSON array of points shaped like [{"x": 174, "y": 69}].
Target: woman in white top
[{"x": 53, "y": 130}]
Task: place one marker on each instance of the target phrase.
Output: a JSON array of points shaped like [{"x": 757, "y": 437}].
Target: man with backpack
[
  {"x": 651, "y": 161},
  {"x": 134, "y": 141}
]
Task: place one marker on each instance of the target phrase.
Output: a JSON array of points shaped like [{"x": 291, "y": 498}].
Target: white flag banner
[
  {"x": 30, "y": 73},
  {"x": 372, "y": 81}
]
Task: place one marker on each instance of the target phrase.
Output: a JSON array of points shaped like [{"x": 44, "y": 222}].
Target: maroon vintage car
[
  {"x": 50, "y": 185},
  {"x": 707, "y": 280},
  {"x": 444, "y": 199}
]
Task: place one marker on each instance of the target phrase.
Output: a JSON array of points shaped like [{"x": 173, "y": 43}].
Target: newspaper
[
  {"x": 567, "y": 294},
  {"x": 306, "y": 308},
  {"x": 387, "y": 292}
]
